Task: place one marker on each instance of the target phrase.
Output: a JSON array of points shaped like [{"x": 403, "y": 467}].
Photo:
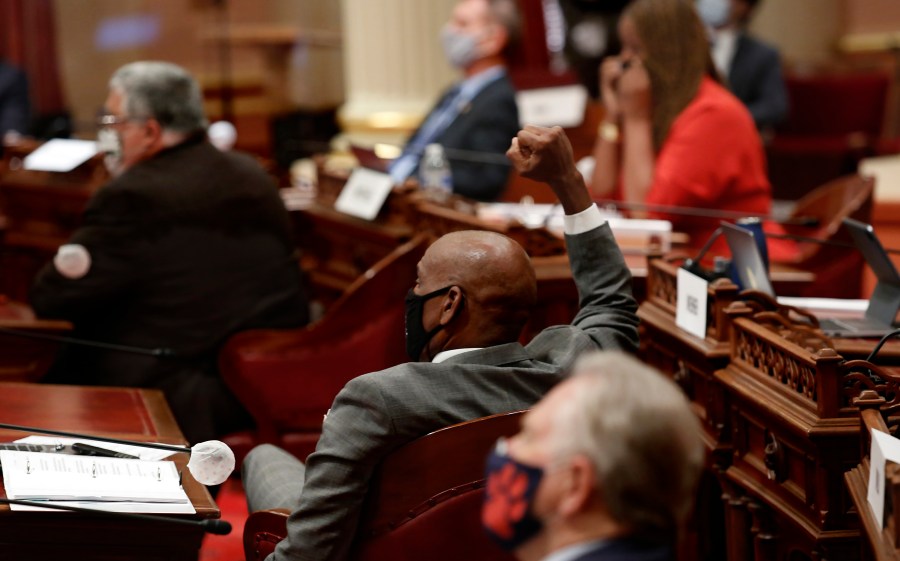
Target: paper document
[
  {"x": 632, "y": 235},
  {"x": 60, "y": 154},
  {"x": 97, "y": 482},
  {"x": 830, "y": 304}
]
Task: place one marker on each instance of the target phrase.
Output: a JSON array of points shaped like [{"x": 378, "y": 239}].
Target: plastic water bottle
[{"x": 435, "y": 173}]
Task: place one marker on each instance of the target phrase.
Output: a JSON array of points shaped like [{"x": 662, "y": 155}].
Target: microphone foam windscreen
[{"x": 211, "y": 462}]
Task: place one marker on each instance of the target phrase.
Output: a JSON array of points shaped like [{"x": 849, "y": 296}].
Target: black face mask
[{"x": 416, "y": 336}]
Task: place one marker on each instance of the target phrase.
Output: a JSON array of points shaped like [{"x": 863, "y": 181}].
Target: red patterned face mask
[{"x": 511, "y": 487}]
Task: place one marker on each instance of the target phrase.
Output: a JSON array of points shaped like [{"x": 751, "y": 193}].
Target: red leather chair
[
  {"x": 837, "y": 269},
  {"x": 424, "y": 501},
  {"x": 287, "y": 379},
  {"x": 834, "y": 121}
]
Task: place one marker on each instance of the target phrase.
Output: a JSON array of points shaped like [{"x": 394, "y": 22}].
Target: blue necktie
[{"x": 436, "y": 123}]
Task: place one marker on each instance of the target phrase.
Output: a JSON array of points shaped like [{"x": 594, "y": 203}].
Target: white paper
[
  {"x": 141, "y": 452},
  {"x": 886, "y": 171},
  {"x": 60, "y": 154},
  {"x": 690, "y": 310},
  {"x": 547, "y": 107},
  {"x": 364, "y": 193},
  {"x": 830, "y": 304},
  {"x": 104, "y": 483},
  {"x": 884, "y": 447}
]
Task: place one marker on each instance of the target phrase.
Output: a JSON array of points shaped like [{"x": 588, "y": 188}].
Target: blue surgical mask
[
  {"x": 714, "y": 13},
  {"x": 511, "y": 487},
  {"x": 460, "y": 48}
]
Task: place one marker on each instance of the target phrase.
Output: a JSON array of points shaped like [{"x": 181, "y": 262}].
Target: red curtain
[{"x": 28, "y": 40}]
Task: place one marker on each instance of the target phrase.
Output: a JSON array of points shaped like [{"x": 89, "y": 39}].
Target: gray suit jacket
[{"x": 378, "y": 412}]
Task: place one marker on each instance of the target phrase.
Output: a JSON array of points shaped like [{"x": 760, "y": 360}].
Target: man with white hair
[
  {"x": 185, "y": 246},
  {"x": 603, "y": 468}
]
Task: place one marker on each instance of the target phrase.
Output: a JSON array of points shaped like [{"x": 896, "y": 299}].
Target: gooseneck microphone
[
  {"x": 211, "y": 526},
  {"x": 155, "y": 445},
  {"x": 161, "y": 352},
  {"x": 693, "y": 265},
  {"x": 211, "y": 462}
]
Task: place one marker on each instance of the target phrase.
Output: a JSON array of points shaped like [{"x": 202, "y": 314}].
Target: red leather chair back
[
  {"x": 424, "y": 501},
  {"x": 287, "y": 379},
  {"x": 834, "y": 121},
  {"x": 836, "y": 104},
  {"x": 837, "y": 269}
]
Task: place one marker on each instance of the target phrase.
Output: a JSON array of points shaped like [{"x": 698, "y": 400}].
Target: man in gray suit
[{"x": 464, "y": 316}]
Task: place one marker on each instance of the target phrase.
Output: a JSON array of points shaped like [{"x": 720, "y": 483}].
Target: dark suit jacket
[
  {"x": 378, "y": 412},
  {"x": 187, "y": 248},
  {"x": 628, "y": 550},
  {"x": 487, "y": 126},
  {"x": 755, "y": 78},
  {"x": 14, "y": 106}
]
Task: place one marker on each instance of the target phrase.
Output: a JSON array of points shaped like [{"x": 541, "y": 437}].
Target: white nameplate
[
  {"x": 884, "y": 447},
  {"x": 547, "y": 107},
  {"x": 364, "y": 193},
  {"x": 690, "y": 310}
]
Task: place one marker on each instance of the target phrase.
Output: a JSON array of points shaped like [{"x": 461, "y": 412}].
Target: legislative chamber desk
[
  {"x": 118, "y": 412},
  {"x": 338, "y": 248},
  {"x": 39, "y": 211},
  {"x": 774, "y": 397}
]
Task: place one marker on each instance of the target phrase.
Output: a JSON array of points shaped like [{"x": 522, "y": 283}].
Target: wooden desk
[
  {"x": 26, "y": 359},
  {"x": 698, "y": 366},
  {"x": 880, "y": 543},
  {"x": 120, "y": 412},
  {"x": 42, "y": 209}
]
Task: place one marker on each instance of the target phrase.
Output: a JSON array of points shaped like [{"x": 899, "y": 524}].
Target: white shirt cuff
[{"x": 586, "y": 220}]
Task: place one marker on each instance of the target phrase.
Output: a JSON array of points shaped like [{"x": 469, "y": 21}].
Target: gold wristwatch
[{"x": 608, "y": 131}]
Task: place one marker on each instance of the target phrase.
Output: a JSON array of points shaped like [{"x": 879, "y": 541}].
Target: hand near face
[
  {"x": 610, "y": 73},
  {"x": 634, "y": 94}
]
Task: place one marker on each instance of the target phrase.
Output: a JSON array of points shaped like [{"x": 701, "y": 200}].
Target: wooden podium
[
  {"x": 775, "y": 399},
  {"x": 128, "y": 413}
]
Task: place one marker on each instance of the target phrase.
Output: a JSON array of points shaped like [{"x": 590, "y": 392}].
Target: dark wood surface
[
  {"x": 128, "y": 413},
  {"x": 26, "y": 358},
  {"x": 773, "y": 395},
  {"x": 880, "y": 543}
]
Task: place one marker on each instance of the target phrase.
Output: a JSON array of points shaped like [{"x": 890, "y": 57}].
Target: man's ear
[
  {"x": 451, "y": 305},
  {"x": 153, "y": 134},
  {"x": 581, "y": 487}
]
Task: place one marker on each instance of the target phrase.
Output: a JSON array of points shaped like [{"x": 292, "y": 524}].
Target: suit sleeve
[
  {"x": 356, "y": 436},
  {"x": 110, "y": 234},
  {"x": 497, "y": 123},
  {"x": 607, "y": 306}
]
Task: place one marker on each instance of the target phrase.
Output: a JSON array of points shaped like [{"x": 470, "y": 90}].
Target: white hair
[
  {"x": 162, "y": 91},
  {"x": 638, "y": 430}
]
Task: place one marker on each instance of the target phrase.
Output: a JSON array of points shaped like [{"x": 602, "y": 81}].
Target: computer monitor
[{"x": 748, "y": 264}]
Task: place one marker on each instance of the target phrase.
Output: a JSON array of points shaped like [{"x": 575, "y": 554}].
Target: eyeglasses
[{"x": 113, "y": 120}]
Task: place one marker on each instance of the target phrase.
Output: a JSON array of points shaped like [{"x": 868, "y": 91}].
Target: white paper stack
[{"x": 114, "y": 484}]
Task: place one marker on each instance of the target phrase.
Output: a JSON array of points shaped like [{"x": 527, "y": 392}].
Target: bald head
[{"x": 496, "y": 278}]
